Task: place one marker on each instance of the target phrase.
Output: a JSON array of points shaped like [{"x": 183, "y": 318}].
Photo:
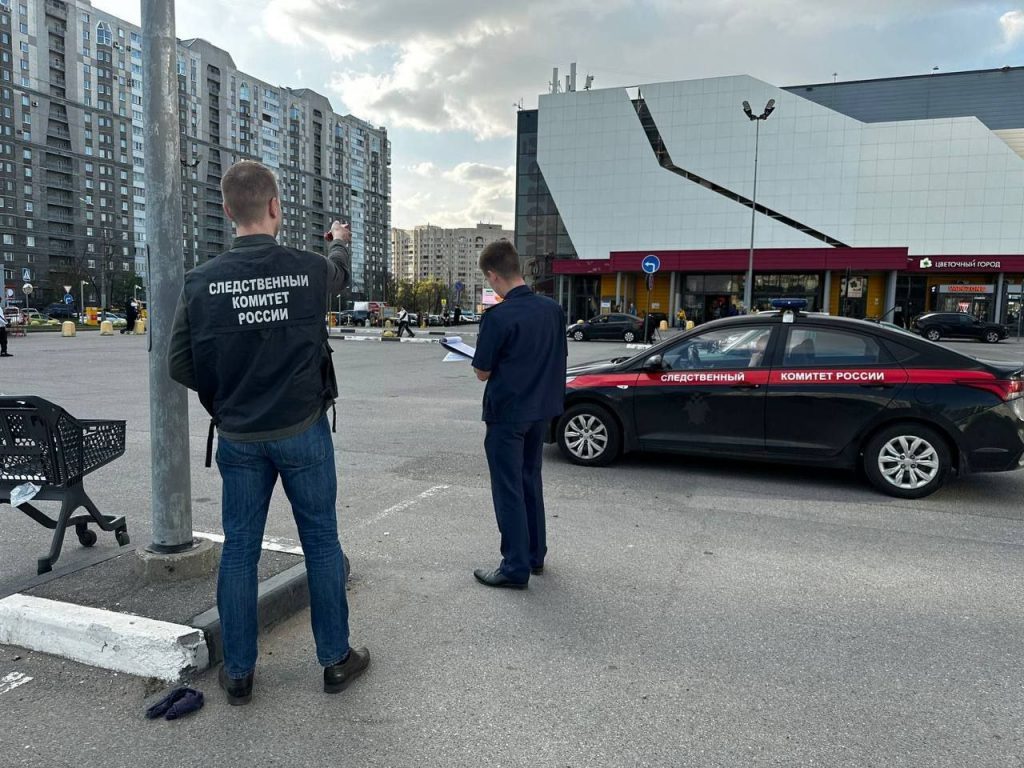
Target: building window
[{"x": 103, "y": 35}]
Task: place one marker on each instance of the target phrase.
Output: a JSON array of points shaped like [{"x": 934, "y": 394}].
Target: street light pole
[
  {"x": 748, "y": 286},
  {"x": 169, "y": 427}
]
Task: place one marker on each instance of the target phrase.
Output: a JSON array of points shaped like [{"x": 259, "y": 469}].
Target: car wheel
[
  {"x": 908, "y": 460},
  {"x": 577, "y": 336},
  {"x": 629, "y": 337},
  {"x": 589, "y": 435},
  {"x": 991, "y": 336},
  {"x": 932, "y": 334}
]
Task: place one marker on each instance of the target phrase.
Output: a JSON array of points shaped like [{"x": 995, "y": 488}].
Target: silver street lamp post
[{"x": 748, "y": 287}]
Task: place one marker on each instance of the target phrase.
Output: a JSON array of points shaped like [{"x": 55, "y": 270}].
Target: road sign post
[{"x": 649, "y": 265}]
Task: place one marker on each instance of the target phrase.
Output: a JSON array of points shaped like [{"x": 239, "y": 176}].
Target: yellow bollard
[
  {"x": 689, "y": 324},
  {"x": 663, "y": 325},
  {"x": 140, "y": 326},
  {"x": 67, "y": 328},
  {"x": 106, "y": 328}
]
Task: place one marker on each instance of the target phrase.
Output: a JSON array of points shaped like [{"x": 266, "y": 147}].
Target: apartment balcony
[
  {"x": 56, "y": 9},
  {"x": 57, "y": 64},
  {"x": 60, "y": 180},
  {"x": 57, "y": 130},
  {"x": 55, "y": 143},
  {"x": 56, "y": 44}
]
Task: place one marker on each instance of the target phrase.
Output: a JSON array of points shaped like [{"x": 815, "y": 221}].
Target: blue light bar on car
[{"x": 796, "y": 304}]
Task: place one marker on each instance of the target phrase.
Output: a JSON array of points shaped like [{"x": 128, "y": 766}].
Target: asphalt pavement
[{"x": 693, "y": 612}]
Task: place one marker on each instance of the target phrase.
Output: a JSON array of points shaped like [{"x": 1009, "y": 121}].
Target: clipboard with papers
[{"x": 458, "y": 351}]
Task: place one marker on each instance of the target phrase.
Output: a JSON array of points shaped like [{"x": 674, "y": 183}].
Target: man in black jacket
[{"x": 250, "y": 337}]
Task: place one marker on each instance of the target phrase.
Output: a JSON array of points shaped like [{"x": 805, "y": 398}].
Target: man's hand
[
  {"x": 482, "y": 375},
  {"x": 341, "y": 232}
]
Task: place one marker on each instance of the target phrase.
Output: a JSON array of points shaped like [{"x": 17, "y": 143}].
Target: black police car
[
  {"x": 958, "y": 325},
  {"x": 802, "y": 388}
]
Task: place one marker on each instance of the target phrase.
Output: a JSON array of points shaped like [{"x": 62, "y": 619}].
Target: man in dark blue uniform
[{"x": 521, "y": 353}]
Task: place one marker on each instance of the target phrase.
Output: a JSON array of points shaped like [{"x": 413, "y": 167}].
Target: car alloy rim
[
  {"x": 908, "y": 462},
  {"x": 586, "y": 436},
  {"x": 578, "y": 335}
]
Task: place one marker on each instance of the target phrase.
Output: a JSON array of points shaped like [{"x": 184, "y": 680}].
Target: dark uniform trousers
[{"x": 514, "y": 456}]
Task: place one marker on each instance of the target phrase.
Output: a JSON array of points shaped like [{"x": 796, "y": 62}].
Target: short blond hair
[{"x": 247, "y": 189}]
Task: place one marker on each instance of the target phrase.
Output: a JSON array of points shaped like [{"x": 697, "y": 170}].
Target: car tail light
[{"x": 1006, "y": 389}]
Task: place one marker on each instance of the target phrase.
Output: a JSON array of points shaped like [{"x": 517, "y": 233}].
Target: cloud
[
  {"x": 1012, "y": 25},
  {"x": 458, "y": 196},
  {"x": 459, "y": 65}
]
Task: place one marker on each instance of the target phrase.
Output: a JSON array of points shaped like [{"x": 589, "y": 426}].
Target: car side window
[
  {"x": 732, "y": 348},
  {"x": 819, "y": 347}
]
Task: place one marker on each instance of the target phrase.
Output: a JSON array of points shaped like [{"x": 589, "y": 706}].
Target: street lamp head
[
  {"x": 768, "y": 109},
  {"x": 747, "y": 111}
]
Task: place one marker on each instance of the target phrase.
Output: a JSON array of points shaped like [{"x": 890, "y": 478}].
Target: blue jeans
[
  {"x": 249, "y": 472},
  {"x": 514, "y": 456}
]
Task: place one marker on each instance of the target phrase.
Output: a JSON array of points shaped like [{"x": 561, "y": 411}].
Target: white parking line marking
[
  {"x": 271, "y": 543},
  {"x": 403, "y": 505},
  {"x": 291, "y": 547},
  {"x": 12, "y": 681}
]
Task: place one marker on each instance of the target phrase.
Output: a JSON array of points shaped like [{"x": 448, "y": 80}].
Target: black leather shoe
[
  {"x": 497, "y": 579},
  {"x": 239, "y": 690},
  {"x": 537, "y": 570},
  {"x": 337, "y": 677}
]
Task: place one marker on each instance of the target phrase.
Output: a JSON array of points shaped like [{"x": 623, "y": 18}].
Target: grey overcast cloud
[{"x": 444, "y": 77}]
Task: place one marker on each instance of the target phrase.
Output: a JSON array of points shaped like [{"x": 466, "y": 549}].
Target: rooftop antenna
[
  {"x": 572, "y": 77},
  {"x": 835, "y": 76},
  {"x": 554, "y": 85},
  {"x": 518, "y": 104},
  {"x": 588, "y": 82}
]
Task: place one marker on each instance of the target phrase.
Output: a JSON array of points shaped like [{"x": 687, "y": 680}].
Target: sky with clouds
[{"x": 444, "y": 76}]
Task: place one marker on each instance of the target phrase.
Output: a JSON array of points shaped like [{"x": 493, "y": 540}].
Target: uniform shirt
[{"x": 522, "y": 344}]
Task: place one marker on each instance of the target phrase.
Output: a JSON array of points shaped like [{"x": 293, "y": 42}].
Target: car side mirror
[{"x": 654, "y": 363}]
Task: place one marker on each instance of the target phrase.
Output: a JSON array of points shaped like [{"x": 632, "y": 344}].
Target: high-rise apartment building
[
  {"x": 72, "y": 164},
  {"x": 403, "y": 263},
  {"x": 447, "y": 255}
]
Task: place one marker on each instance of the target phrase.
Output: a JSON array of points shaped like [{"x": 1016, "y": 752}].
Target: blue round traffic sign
[
  {"x": 650, "y": 264},
  {"x": 69, "y": 299}
]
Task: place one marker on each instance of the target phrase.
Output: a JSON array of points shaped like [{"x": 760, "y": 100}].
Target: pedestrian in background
[
  {"x": 249, "y": 337},
  {"x": 3, "y": 336},
  {"x": 521, "y": 354},
  {"x": 403, "y": 322},
  {"x": 131, "y": 314}
]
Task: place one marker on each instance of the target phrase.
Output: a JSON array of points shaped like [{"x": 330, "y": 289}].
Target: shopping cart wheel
[{"x": 86, "y": 537}]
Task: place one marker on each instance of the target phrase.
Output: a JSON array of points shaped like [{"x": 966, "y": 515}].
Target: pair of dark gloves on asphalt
[{"x": 177, "y": 703}]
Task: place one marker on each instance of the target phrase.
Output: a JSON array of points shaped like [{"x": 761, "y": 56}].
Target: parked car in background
[
  {"x": 359, "y": 317},
  {"x": 470, "y": 317},
  {"x": 35, "y": 319},
  {"x": 958, "y": 325},
  {"x": 628, "y": 328},
  {"x": 60, "y": 311}
]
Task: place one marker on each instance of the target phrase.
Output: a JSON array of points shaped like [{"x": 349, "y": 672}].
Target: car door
[
  {"x": 709, "y": 394},
  {"x": 830, "y": 384},
  {"x": 964, "y": 327}
]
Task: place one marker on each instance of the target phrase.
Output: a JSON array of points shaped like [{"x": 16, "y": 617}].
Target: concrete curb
[
  {"x": 137, "y": 645},
  {"x": 280, "y": 597},
  {"x": 118, "y": 641}
]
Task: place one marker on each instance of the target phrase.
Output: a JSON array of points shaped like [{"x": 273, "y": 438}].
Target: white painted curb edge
[{"x": 117, "y": 641}]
